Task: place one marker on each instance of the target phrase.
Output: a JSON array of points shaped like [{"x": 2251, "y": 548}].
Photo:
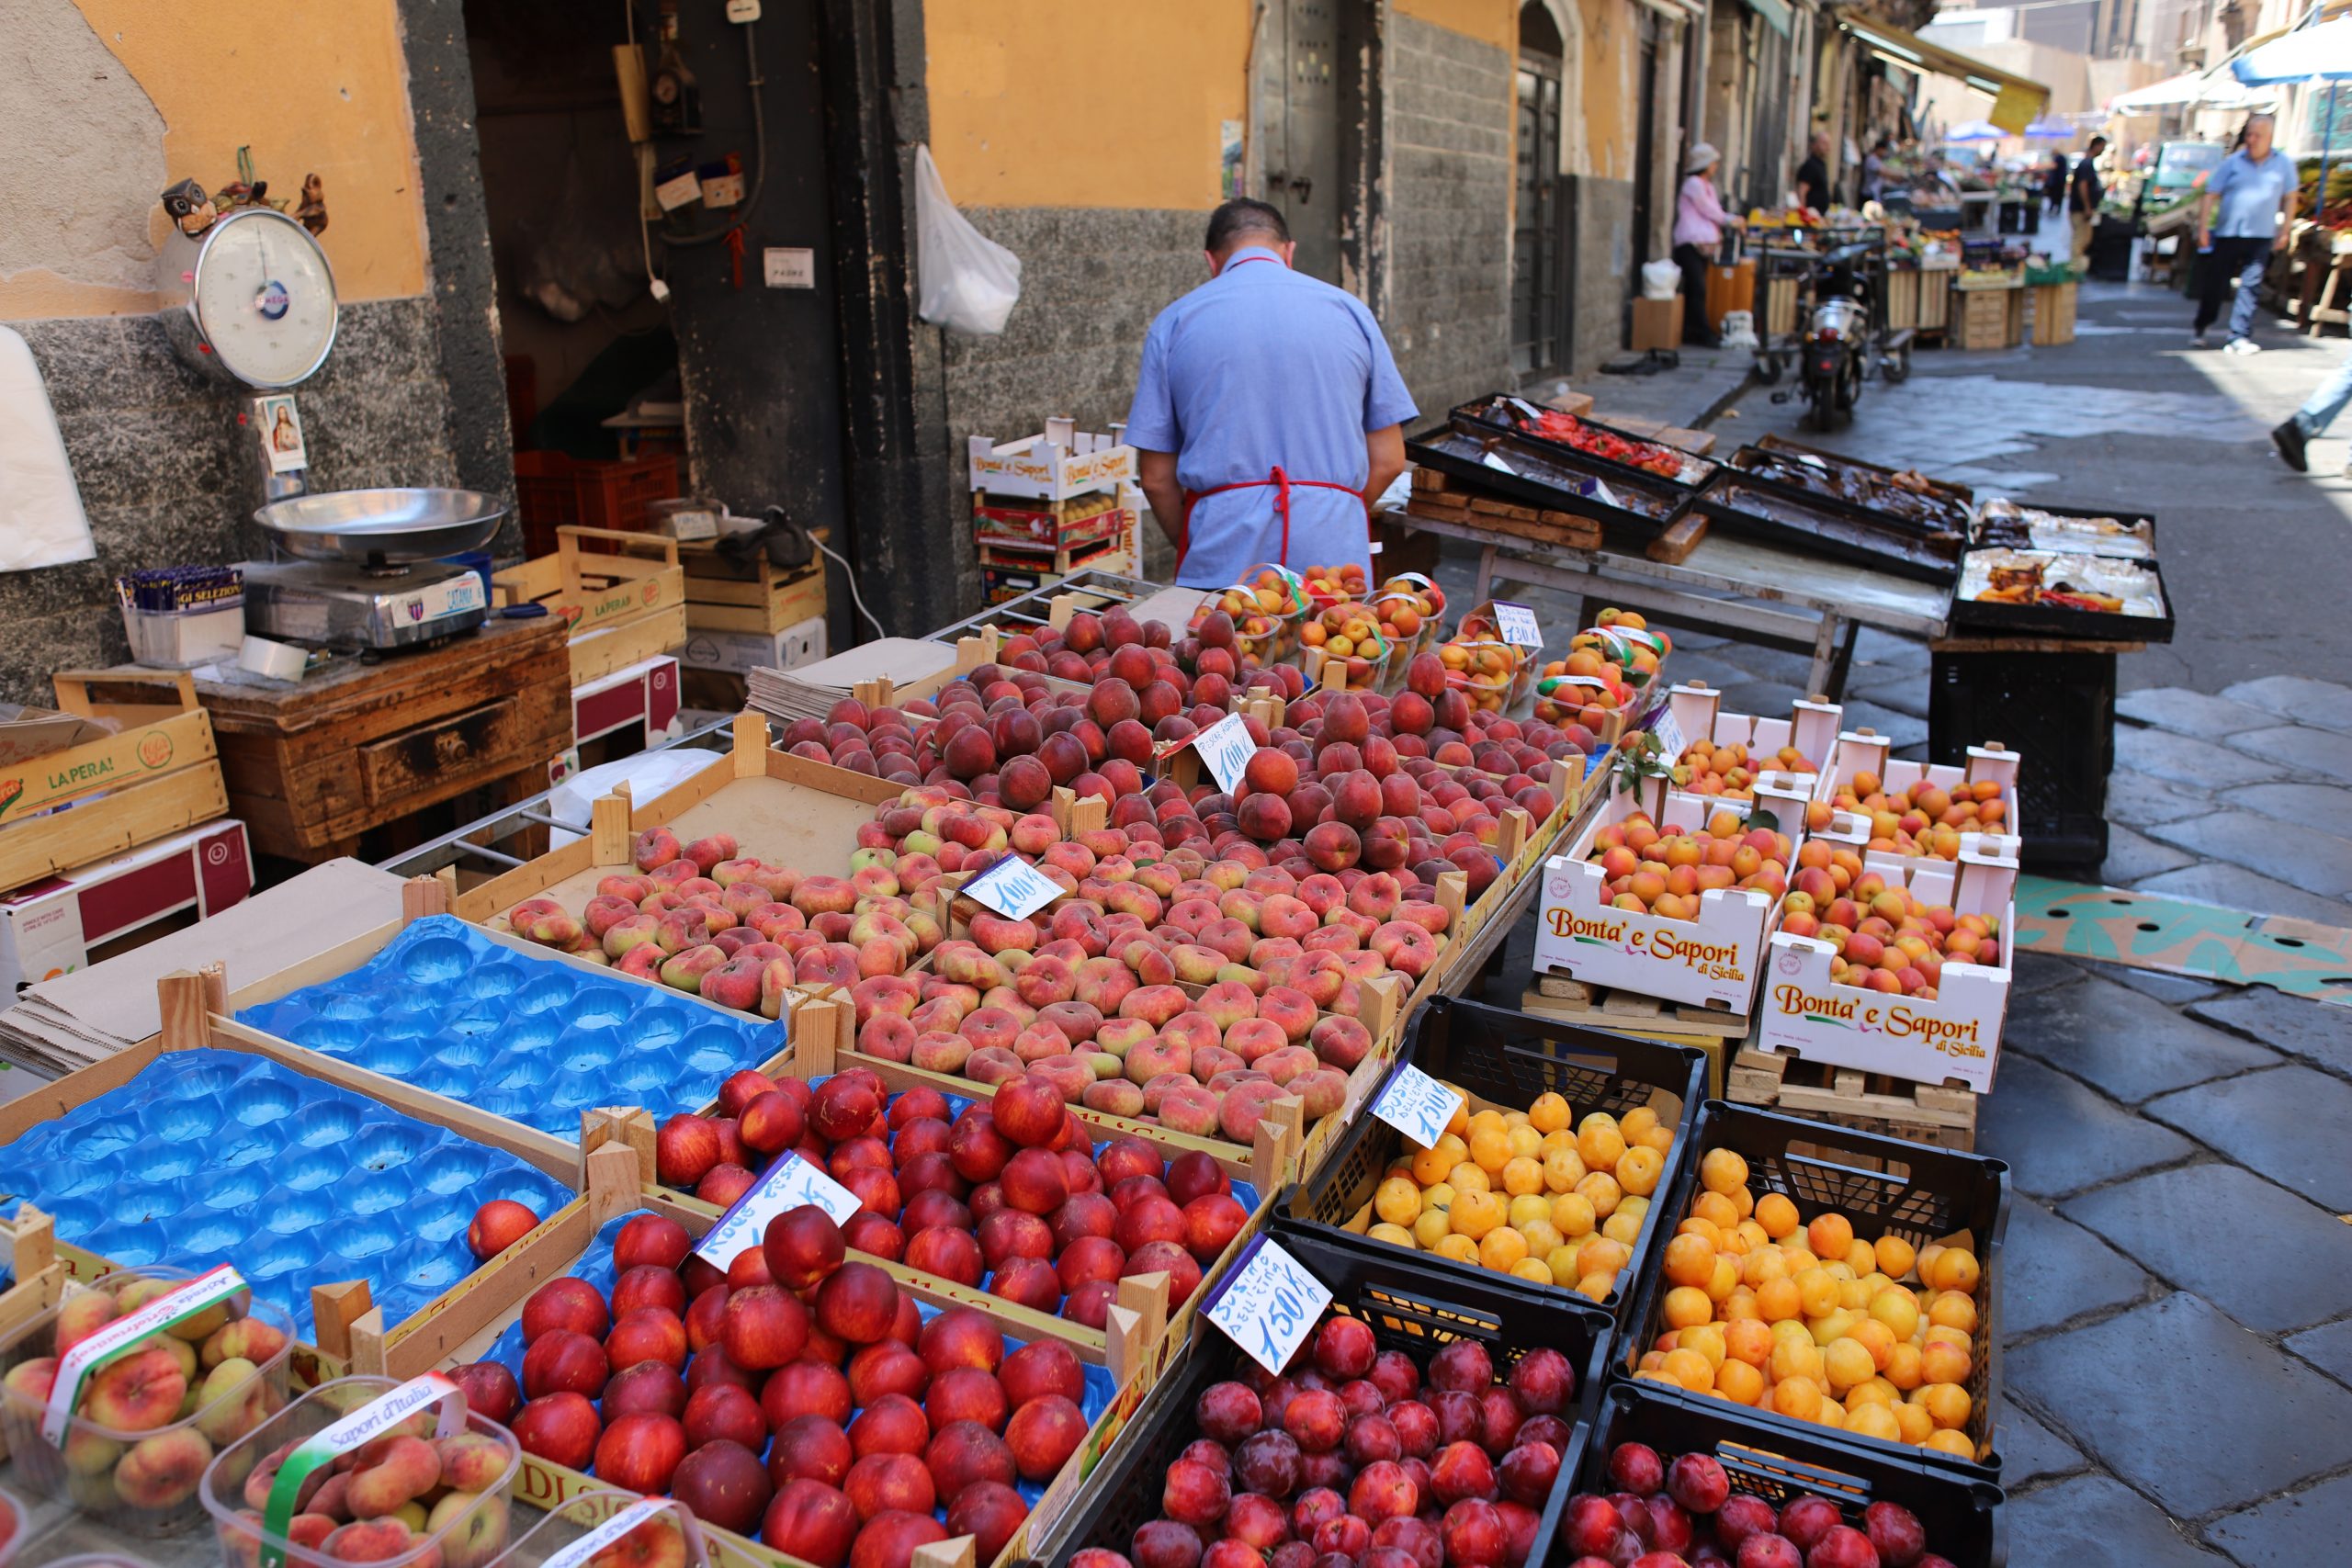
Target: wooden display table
[{"x": 313, "y": 766}]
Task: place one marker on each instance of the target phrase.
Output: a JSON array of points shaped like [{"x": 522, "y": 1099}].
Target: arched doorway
[{"x": 1538, "y": 272}]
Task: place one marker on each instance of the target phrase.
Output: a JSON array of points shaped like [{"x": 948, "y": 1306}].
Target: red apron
[{"x": 1282, "y": 484}]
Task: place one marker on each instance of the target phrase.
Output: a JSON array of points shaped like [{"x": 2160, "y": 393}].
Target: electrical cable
[
  {"x": 741, "y": 215},
  {"x": 850, "y": 574},
  {"x": 637, "y": 156}
]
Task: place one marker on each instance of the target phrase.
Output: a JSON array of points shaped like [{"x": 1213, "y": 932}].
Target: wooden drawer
[{"x": 444, "y": 752}]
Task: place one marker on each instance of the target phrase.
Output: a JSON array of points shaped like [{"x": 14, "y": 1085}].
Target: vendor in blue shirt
[
  {"x": 1268, "y": 414},
  {"x": 2254, "y": 188}
]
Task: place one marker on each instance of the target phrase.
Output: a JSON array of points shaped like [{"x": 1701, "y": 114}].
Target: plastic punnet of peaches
[
  {"x": 1606, "y": 669},
  {"x": 1265, "y": 608}
]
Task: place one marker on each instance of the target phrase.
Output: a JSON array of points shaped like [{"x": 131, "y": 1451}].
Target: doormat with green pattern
[{"x": 2178, "y": 936}]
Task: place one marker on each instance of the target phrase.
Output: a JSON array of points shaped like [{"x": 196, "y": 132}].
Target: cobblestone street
[{"x": 2176, "y": 1338}]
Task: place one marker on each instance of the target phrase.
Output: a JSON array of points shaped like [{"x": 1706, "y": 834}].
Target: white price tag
[
  {"x": 1517, "y": 623},
  {"x": 1417, "y": 1105},
  {"x": 1669, "y": 735},
  {"x": 1227, "y": 747},
  {"x": 1014, "y": 888},
  {"x": 678, "y": 190},
  {"x": 742, "y": 10},
  {"x": 1271, "y": 1305},
  {"x": 783, "y": 1186},
  {"x": 788, "y": 266},
  {"x": 1601, "y": 491},
  {"x": 1492, "y": 461},
  {"x": 583, "y": 1551}
]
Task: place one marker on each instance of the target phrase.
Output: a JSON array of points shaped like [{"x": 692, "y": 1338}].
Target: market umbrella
[
  {"x": 2048, "y": 131},
  {"x": 1975, "y": 131},
  {"x": 2212, "y": 90},
  {"x": 2322, "y": 54}
]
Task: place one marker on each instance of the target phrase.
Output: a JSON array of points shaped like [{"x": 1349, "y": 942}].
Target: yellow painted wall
[
  {"x": 1084, "y": 103},
  {"x": 1488, "y": 22},
  {"x": 318, "y": 87},
  {"x": 1611, "y": 50}
]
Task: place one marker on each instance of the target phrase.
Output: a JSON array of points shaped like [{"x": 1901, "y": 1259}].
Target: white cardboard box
[
  {"x": 1956, "y": 1034},
  {"x": 1062, "y": 462},
  {"x": 47, "y": 927},
  {"x": 1710, "y": 962},
  {"x": 1863, "y": 751},
  {"x": 1695, "y": 710},
  {"x": 740, "y": 653}
]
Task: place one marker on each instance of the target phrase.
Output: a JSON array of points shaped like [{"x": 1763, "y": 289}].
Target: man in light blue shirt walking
[
  {"x": 1268, "y": 412},
  {"x": 2254, "y": 188}
]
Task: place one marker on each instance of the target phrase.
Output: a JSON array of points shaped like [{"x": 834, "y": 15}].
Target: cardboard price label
[
  {"x": 1227, "y": 747},
  {"x": 1669, "y": 735},
  {"x": 1417, "y": 1105},
  {"x": 783, "y": 1187},
  {"x": 1014, "y": 888},
  {"x": 1517, "y": 625},
  {"x": 1270, "y": 1306},
  {"x": 116, "y": 1339}
]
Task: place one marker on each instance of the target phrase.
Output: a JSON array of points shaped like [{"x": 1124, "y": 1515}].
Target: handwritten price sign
[
  {"x": 1417, "y": 1105},
  {"x": 1669, "y": 735},
  {"x": 1014, "y": 888},
  {"x": 1517, "y": 623},
  {"x": 785, "y": 1186},
  {"x": 1271, "y": 1305},
  {"x": 1225, "y": 747}
]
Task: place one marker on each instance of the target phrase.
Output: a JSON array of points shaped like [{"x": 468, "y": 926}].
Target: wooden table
[
  {"x": 1740, "y": 588},
  {"x": 313, "y": 766}
]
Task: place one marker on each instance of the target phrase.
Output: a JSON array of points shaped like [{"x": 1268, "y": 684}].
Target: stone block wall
[
  {"x": 1601, "y": 267},
  {"x": 155, "y": 449},
  {"x": 1445, "y": 292}
]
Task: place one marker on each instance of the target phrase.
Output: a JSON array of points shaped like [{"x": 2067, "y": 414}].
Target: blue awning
[{"x": 1775, "y": 14}]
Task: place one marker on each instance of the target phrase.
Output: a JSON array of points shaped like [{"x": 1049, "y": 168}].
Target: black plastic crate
[
  {"x": 1506, "y": 1059},
  {"x": 1964, "y": 1518},
  {"x": 2058, "y": 711},
  {"x": 1407, "y": 1311},
  {"x": 1883, "y": 1187}
]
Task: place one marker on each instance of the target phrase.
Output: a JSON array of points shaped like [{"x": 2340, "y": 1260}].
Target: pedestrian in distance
[
  {"x": 1812, "y": 174},
  {"x": 2310, "y": 422},
  {"x": 2084, "y": 193},
  {"x": 2247, "y": 211},
  {"x": 2054, "y": 183},
  {"x": 1699, "y": 224}
]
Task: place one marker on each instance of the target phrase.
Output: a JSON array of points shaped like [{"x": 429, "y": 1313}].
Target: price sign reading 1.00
[
  {"x": 1271, "y": 1305},
  {"x": 1517, "y": 623},
  {"x": 1225, "y": 747},
  {"x": 1417, "y": 1105},
  {"x": 1014, "y": 888}
]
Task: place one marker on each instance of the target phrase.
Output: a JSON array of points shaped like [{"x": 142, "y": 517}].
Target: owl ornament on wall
[{"x": 187, "y": 206}]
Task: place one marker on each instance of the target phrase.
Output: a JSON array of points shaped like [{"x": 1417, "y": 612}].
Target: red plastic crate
[{"x": 552, "y": 490}]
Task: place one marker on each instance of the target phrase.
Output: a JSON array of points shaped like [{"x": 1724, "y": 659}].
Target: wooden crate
[
  {"x": 1709, "y": 1030},
  {"x": 1935, "y": 301},
  {"x": 159, "y": 774},
  {"x": 1982, "y": 318},
  {"x": 2053, "y": 313},
  {"x": 1779, "y": 307},
  {"x": 757, "y": 598},
  {"x": 622, "y": 608},
  {"x": 311, "y": 766},
  {"x": 1869, "y": 1102},
  {"x": 469, "y": 1319},
  {"x": 1902, "y": 298},
  {"x": 1445, "y": 498}
]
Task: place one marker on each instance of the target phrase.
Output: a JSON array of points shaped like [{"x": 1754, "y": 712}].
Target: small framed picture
[{"x": 281, "y": 432}]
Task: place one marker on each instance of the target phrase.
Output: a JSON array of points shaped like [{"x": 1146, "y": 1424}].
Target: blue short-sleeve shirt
[
  {"x": 1260, "y": 368},
  {"x": 2252, "y": 194}
]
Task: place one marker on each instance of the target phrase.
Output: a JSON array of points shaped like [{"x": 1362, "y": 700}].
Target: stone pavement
[
  {"x": 2177, "y": 1295},
  {"x": 1706, "y": 381}
]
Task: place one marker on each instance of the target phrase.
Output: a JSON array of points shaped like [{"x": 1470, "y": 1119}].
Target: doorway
[
  {"x": 1300, "y": 85},
  {"x": 1537, "y": 250},
  {"x": 1646, "y": 127}
]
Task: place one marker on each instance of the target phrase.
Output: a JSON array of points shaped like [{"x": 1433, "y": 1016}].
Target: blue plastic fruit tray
[
  {"x": 538, "y": 1041},
  {"x": 595, "y": 1266},
  {"x": 216, "y": 1157}
]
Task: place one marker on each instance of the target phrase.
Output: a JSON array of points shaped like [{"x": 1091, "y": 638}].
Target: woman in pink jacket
[{"x": 1699, "y": 224}]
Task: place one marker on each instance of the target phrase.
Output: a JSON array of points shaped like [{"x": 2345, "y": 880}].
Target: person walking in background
[
  {"x": 2247, "y": 211},
  {"x": 2054, "y": 183},
  {"x": 2084, "y": 193},
  {"x": 1812, "y": 174},
  {"x": 2310, "y": 422},
  {"x": 1699, "y": 224},
  {"x": 1874, "y": 171}
]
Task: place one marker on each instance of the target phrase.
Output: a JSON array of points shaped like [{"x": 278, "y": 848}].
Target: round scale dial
[{"x": 265, "y": 298}]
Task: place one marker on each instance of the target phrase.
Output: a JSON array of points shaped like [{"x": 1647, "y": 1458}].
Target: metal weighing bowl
[{"x": 382, "y": 524}]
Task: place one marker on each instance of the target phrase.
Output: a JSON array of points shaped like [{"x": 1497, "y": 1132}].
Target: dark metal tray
[
  {"x": 1490, "y": 412},
  {"x": 1772, "y": 443},
  {"x": 1822, "y": 526},
  {"x": 1955, "y": 511},
  {"x": 2057, "y": 621},
  {"x": 1544, "y": 475}
]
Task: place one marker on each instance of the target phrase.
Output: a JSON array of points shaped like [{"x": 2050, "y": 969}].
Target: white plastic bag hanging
[
  {"x": 41, "y": 523},
  {"x": 1661, "y": 280},
  {"x": 970, "y": 282}
]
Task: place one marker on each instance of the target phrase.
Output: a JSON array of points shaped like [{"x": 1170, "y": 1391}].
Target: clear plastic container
[
  {"x": 565, "y": 1526},
  {"x": 456, "y": 1536},
  {"x": 100, "y": 1560},
  {"x": 12, "y": 1528},
  {"x": 142, "y": 1482}
]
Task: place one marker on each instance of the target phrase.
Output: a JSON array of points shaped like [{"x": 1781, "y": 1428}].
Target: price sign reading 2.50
[{"x": 1270, "y": 1306}]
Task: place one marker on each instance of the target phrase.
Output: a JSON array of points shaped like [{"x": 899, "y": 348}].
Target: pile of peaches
[
  {"x": 1885, "y": 939},
  {"x": 1685, "y": 1510},
  {"x": 1926, "y": 818},
  {"x": 1386, "y": 1458},
  {"x": 1731, "y": 770},
  {"x": 797, "y": 1395},
  {"x": 1666, "y": 874}
]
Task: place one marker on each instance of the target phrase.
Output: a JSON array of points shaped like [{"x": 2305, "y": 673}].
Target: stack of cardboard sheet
[{"x": 812, "y": 689}]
